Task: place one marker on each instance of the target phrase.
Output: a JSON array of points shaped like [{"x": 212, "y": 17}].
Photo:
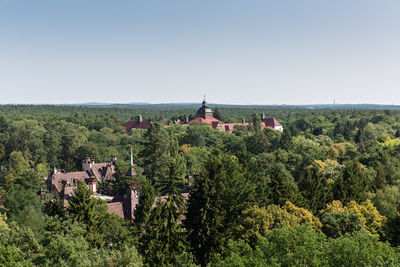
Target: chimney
[
  {"x": 262, "y": 116},
  {"x": 243, "y": 121},
  {"x": 114, "y": 159},
  {"x": 139, "y": 119},
  {"x": 186, "y": 120},
  {"x": 92, "y": 184},
  {"x": 87, "y": 164}
]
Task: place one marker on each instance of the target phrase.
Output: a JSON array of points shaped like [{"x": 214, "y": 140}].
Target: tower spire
[{"x": 131, "y": 157}]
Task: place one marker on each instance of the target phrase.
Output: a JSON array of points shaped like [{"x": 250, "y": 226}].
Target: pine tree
[
  {"x": 156, "y": 153},
  {"x": 219, "y": 195},
  {"x": 144, "y": 207},
  {"x": 163, "y": 240},
  {"x": 85, "y": 209},
  {"x": 355, "y": 181},
  {"x": 282, "y": 185},
  {"x": 173, "y": 182},
  {"x": 163, "y": 237}
]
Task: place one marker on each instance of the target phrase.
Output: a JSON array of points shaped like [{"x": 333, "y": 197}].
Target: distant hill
[{"x": 195, "y": 105}]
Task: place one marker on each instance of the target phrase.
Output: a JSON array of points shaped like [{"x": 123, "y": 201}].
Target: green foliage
[
  {"x": 24, "y": 207},
  {"x": 303, "y": 246},
  {"x": 354, "y": 183},
  {"x": 163, "y": 240},
  {"x": 336, "y": 224},
  {"x": 219, "y": 195},
  {"x": 144, "y": 207},
  {"x": 156, "y": 153},
  {"x": 322, "y": 155},
  {"x": 85, "y": 209},
  {"x": 282, "y": 185}
]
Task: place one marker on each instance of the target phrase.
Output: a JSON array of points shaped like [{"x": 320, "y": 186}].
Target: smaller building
[
  {"x": 139, "y": 123},
  {"x": 64, "y": 184},
  {"x": 270, "y": 122}
]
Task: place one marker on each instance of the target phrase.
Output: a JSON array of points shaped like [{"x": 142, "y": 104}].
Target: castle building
[{"x": 205, "y": 115}]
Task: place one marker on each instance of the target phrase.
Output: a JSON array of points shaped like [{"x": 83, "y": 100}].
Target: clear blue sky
[{"x": 237, "y": 52}]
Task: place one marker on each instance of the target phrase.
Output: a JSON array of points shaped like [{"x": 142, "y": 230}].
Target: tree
[
  {"x": 256, "y": 222},
  {"x": 30, "y": 179},
  {"x": 85, "y": 209},
  {"x": 156, "y": 153},
  {"x": 163, "y": 235},
  {"x": 257, "y": 142},
  {"x": 336, "y": 224},
  {"x": 144, "y": 207},
  {"x": 218, "y": 197},
  {"x": 163, "y": 240},
  {"x": 257, "y": 122},
  {"x": 217, "y": 114},
  {"x": 360, "y": 249},
  {"x": 354, "y": 183},
  {"x": 314, "y": 186},
  {"x": 24, "y": 207},
  {"x": 282, "y": 185}
]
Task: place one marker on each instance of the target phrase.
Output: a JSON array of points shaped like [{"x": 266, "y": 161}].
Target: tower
[{"x": 205, "y": 112}]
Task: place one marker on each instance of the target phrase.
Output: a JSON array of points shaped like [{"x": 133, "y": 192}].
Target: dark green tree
[
  {"x": 24, "y": 207},
  {"x": 83, "y": 208},
  {"x": 156, "y": 153},
  {"x": 219, "y": 195},
  {"x": 354, "y": 183},
  {"x": 144, "y": 207},
  {"x": 282, "y": 185},
  {"x": 335, "y": 224},
  {"x": 30, "y": 179}
]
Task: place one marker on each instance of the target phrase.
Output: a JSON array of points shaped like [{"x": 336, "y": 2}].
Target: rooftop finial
[{"x": 204, "y": 101}]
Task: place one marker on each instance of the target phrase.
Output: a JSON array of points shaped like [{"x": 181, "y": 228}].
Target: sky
[{"x": 234, "y": 51}]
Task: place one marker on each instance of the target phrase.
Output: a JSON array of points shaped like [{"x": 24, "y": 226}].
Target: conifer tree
[
  {"x": 156, "y": 153},
  {"x": 163, "y": 237},
  {"x": 219, "y": 195},
  {"x": 282, "y": 185},
  {"x": 85, "y": 209},
  {"x": 144, "y": 207}
]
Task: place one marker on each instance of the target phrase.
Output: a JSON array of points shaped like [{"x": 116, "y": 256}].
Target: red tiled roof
[
  {"x": 137, "y": 125},
  {"x": 231, "y": 126},
  {"x": 270, "y": 122},
  {"x": 212, "y": 121}
]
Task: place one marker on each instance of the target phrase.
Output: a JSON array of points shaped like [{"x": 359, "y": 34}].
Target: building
[
  {"x": 139, "y": 123},
  {"x": 205, "y": 115},
  {"x": 270, "y": 122},
  {"x": 64, "y": 184}
]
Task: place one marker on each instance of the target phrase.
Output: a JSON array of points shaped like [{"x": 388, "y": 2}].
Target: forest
[{"x": 324, "y": 192}]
